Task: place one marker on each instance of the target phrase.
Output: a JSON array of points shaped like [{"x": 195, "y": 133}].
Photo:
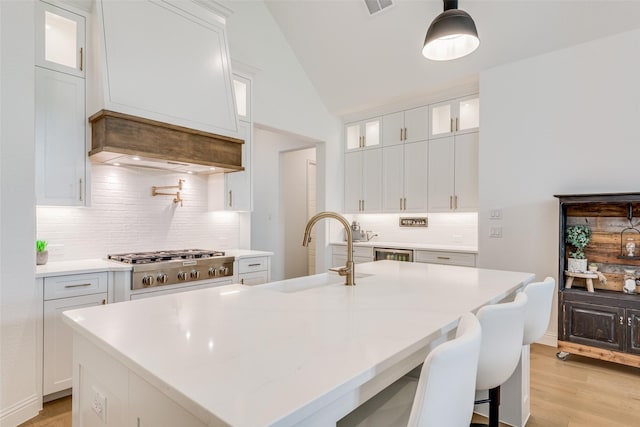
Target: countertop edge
[{"x": 414, "y": 246}]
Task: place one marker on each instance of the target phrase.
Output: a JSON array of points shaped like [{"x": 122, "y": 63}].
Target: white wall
[
  {"x": 560, "y": 123},
  {"x": 285, "y": 99},
  {"x": 293, "y": 185},
  {"x": 268, "y": 226},
  {"x": 20, "y": 382}
]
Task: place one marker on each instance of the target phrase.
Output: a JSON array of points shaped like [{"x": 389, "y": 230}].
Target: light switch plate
[
  {"x": 495, "y": 232},
  {"x": 495, "y": 213}
]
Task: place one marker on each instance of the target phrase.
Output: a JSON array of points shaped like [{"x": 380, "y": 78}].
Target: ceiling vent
[{"x": 376, "y": 6}]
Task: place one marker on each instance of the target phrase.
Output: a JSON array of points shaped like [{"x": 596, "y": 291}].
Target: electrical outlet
[{"x": 99, "y": 404}]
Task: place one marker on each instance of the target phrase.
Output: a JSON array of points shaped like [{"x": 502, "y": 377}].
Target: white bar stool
[
  {"x": 443, "y": 395},
  {"x": 502, "y": 332}
]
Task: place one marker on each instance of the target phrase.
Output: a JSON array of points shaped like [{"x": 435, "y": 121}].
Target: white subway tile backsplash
[
  {"x": 123, "y": 217},
  {"x": 444, "y": 228}
]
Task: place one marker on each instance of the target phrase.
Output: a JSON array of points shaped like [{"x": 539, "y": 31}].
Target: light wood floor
[{"x": 579, "y": 392}]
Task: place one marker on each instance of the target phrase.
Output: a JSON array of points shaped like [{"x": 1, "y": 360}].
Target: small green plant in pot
[
  {"x": 42, "y": 254},
  {"x": 579, "y": 237}
]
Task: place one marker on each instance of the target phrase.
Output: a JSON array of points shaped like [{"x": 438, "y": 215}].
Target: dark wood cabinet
[
  {"x": 595, "y": 325},
  {"x": 604, "y": 324}
]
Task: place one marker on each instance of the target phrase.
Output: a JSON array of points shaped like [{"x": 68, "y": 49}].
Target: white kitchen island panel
[{"x": 304, "y": 351}]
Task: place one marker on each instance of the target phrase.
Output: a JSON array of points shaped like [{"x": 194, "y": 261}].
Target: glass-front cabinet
[
  {"x": 458, "y": 116},
  {"x": 60, "y": 38},
  {"x": 363, "y": 134}
]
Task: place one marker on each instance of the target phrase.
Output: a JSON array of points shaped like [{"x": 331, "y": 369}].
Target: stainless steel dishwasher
[{"x": 380, "y": 254}]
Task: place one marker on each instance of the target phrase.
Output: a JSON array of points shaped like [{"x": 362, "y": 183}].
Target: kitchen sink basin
[{"x": 300, "y": 284}]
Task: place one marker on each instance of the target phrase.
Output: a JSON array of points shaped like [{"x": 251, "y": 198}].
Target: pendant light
[{"x": 451, "y": 35}]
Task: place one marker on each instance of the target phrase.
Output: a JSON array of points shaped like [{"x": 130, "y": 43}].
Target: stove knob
[
  {"x": 212, "y": 272},
  {"x": 147, "y": 281},
  {"x": 162, "y": 278},
  {"x": 222, "y": 270},
  {"x": 182, "y": 276},
  {"x": 195, "y": 274}
]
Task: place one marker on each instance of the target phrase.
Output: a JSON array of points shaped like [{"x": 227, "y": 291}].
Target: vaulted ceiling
[{"x": 358, "y": 61}]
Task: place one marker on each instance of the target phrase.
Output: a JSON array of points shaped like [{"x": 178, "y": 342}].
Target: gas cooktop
[{"x": 159, "y": 256}]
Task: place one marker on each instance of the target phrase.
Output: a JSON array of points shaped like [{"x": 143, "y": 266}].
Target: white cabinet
[
  {"x": 458, "y": 116},
  {"x": 233, "y": 191},
  {"x": 60, "y": 39},
  {"x": 254, "y": 270},
  {"x": 363, "y": 181},
  {"x": 362, "y": 134},
  {"x": 405, "y": 126},
  {"x": 60, "y": 118},
  {"x": 453, "y": 174},
  {"x": 63, "y": 293},
  {"x": 450, "y": 258},
  {"x": 404, "y": 177},
  {"x": 360, "y": 255},
  {"x": 168, "y": 61},
  {"x": 149, "y": 407},
  {"x": 60, "y": 138}
]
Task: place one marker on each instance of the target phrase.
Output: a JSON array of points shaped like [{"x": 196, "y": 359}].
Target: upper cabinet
[
  {"x": 453, "y": 174},
  {"x": 242, "y": 92},
  {"x": 362, "y": 134},
  {"x": 363, "y": 183},
  {"x": 60, "y": 40},
  {"x": 234, "y": 191},
  {"x": 405, "y": 126},
  {"x": 60, "y": 116},
  {"x": 168, "y": 61},
  {"x": 458, "y": 116}
]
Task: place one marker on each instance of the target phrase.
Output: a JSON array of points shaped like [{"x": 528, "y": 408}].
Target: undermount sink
[{"x": 311, "y": 282}]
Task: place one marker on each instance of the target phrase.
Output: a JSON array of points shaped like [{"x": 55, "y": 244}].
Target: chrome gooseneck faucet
[{"x": 349, "y": 269}]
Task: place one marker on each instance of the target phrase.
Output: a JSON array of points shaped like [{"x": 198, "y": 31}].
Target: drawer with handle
[
  {"x": 247, "y": 265},
  {"x": 74, "y": 285},
  {"x": 358, "y": 251},
  {"x": 451, "y": 258}
]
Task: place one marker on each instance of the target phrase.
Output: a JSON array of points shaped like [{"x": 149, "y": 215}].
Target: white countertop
[
  {"x": 271, "y": 354},
  {"x": 418, "y": 246},
  {"x": 246, "y": 253},
  {"x": 60, "y": 268}
]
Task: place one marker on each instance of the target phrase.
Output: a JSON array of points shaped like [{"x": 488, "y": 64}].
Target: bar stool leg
[{"x": 494, "y": 407}]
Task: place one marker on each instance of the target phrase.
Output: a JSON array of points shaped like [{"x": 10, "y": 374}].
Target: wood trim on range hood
[{"x": 116, "y": 137}]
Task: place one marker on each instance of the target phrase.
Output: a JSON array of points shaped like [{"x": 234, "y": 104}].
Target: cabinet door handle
[
  {"x": 451, "y": 125},
  {"x": 457, "y": 124},
  {"x": 242, "y": 281},
  {"x": 628, "y": 321},
  {"x": 230, "y": 198},
  {"x": 254, "y": 265},
  {"x": 104, "y": 301},
  {"x": 450, "y": 202},
  {"x": 400, "y": 203},
  {"x": 363, "y": 205},
  {"x": 81, "y": 285},
  {"x": 80, "y": 190},
  {"x": 404, "y": 203},
  {"x": 621, "y": 321},
  {"x": 444, "y": 257},
  {"x": 81, "y": 58},
  {"x": 400, "y": 134},
  {"x": 405, "y": 134},
  {"x": 455, "y": 202}
]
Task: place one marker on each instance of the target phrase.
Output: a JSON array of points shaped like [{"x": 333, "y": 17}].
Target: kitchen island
[{"x": 303, "y": 351}]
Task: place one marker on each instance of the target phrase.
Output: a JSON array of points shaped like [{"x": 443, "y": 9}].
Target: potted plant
[
  {"x": 42, "y": 254},
  {"x": 579, "y": 237}
]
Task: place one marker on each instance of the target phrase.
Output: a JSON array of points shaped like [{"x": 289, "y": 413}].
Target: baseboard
[
  {"x": 548, "y": 339},
  {"x": 21, "y": 411}
]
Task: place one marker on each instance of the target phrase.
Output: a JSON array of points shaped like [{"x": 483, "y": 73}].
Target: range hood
[
  {"x": 123, "y": 139},
  {"x": 163, "y": 87}
]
